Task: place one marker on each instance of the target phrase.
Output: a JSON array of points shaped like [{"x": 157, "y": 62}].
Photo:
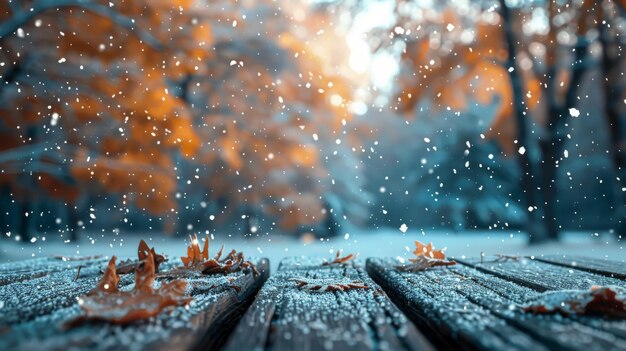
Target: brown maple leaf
[
  {"x": 340, "y": 260},
  {"x": 426, "y": 257},
  {"x": 129, "y": 266},
  {"x": 106, "y": 303},
  {"x": 599, "y": 300},
  {"x": 323, "y": 285}
]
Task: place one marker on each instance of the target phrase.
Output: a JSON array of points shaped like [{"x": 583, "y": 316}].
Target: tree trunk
[
  {"x": 72, "y": 222},
  {"x": 25, "y": 220},
  {"x": 615, "y": 125},
  {"x": 536, "y": 226},
  {"x": 6, "y": 214},
  {"x": 553, "y": 146}
]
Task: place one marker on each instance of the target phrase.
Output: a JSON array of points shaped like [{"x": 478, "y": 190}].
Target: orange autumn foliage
[
  {"x": 120, "y": 123},
  {"x": 269, "y": 112},
  {"x": 457, "y": 73},
  {"x": 456, "y": 59},
  {"x": 131, "y": 96}
]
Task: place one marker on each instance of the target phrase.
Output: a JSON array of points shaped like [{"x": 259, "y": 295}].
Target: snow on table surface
[{"x": 367, "y": 243}]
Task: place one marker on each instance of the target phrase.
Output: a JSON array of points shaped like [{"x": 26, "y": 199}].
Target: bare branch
[
  {"x": 20, "y": 18},
  {"x": 20, "y": 153}
]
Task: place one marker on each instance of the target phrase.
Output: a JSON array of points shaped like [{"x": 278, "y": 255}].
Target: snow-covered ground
[{"x": 381, "y": 243}]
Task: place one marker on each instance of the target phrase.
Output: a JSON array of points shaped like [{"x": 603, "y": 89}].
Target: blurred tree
[
  {"x": 274, "y": 112},
  {"x": 454, "y": 59},
  {"x": 179, "y": 108},
  {"x": 537, "y": 230},
  {"x": 530, "y": 58},
  {"x": 468, "y": 181},
  {"x": 85, "y": 102}
]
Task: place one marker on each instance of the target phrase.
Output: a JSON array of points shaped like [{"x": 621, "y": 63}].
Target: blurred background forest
[{"x": 299, "y": 117}]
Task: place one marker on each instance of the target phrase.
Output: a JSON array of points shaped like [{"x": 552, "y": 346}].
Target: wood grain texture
[
  {"x": 603, "y": 267},
  {"x": 35, "y": 268},
  {"x": 541, "y": 276},
  {"x": 467, "y": 308},
  {"x": 286, "y": 317},
  {"x": 452, "y": 321},
  {"x": 35, "y": 310}
]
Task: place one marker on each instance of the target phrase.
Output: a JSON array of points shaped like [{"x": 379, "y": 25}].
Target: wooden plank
[
  {"x": 14, "y": 272},
  {"x": 29, "y": 298},
  {"x": 451, "y": 320},
  {"x": 204, "y": 324},
  {"x": 286, "y": 317},
  {"x": 607, "y": 268},
  {"x": 504, "y": 299},
  {"x": 541, "y": 276},
  {"x": 520, "y": 295}
]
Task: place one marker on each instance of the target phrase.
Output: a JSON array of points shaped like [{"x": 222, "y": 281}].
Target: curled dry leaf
[
  {"x": 129, "y": 266},
  {"x": 425, "y": 257},
  {"x": 199, "y": 260},
  {"x": 196, "y": 257},
  {"x": 506, "y": 258},
  {"x": 323, "y": 285},
  {"x": 340, "y": 260},
  {"x": 107, "y": 303},
  {"x": 599, "y": 300}
]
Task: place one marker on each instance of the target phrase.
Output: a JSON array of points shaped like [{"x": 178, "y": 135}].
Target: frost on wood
[
  {"x": 426, "y": 257},
  {"x": 36, "y": 307},
  {"x": 333, "y": 307},
  {"x": 106, "y": 303},
  {"x": 599, "y": 300}
]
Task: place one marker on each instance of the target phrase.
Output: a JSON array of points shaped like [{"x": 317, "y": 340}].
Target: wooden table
[{"x": 474, "y": 305}]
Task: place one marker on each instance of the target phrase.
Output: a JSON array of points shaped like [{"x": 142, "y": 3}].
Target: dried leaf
[
  {"x": 599, "y": 300},
  {"x": 506, "y": 258},
  {"x": 107, "y": 304},
  {"x": 340, "y": 260},
  {"x": 426, "y": 257},
  {"x": 199, "y": 261},
  {"x": 323, "y": 285},
  {"x": 109, "y": 281},
  {"x": 194, "y": 255},
  {"x": 129, "y": 266},
  {"x": 142, "y": 254}
]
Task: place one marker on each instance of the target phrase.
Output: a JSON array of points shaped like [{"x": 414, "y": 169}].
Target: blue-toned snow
[{"x": 381, "y": 243}]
